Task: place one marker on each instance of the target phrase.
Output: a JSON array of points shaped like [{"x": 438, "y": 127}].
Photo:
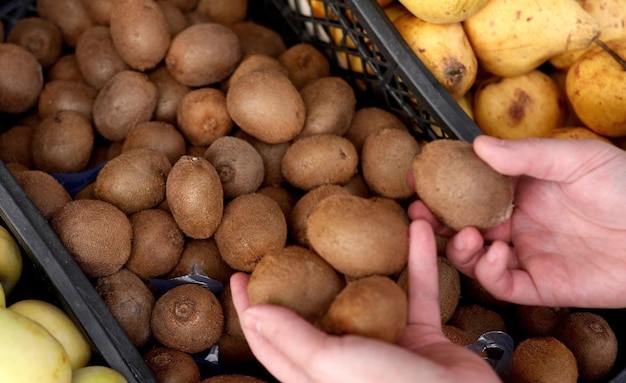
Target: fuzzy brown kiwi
[
  {"x": 41, "y": 37},
  {"x": 99, "y": 11},
  {"x": 253, "y": 62},
  {"x": 286, "y": 199},
  {"x": 296, "y": 278},
  {"x": 252, "y": 225},
  {"x": 176, "y": 19},
  {"x": 15, "y": 145},
  {"x": 297, "y": 218},
  {"x": 130, "y": 301},
  {"x": 393, "y": 205},
  {"x": 543, "y": 359},
  {"x": 46, "y": 193},
  {"x": 592, "y": 341},
  {"x": 203, "y": 54},
  {"x": 171, "y": 92},
  {"x": 272, "y": 155},
  {"x": 224, "y": 11},
  {"x": 65, "y": 68},
  {"x": 368, "y": 120},
  {"x": 195, "y": 196},
  {"x": 234, "y": 352},
  {"x": 254, "y": 97},
  {"x": 539, "y": 320},
  {"x": 59, "y": 95},
  {"x": 386, "y": 158},
  {"x": 21, "y": 80},
  {"x": 357, "y": 186},
  {"x": 373, "y": 306},
  {"x": 15, "y": 167},
  {"x": 258, "y": 38},
  {"x": 188, "y": 318},
  {"x": 232, "y": 326},
  {"x": 70, "y": 16},
  {"x": 62, "y": 142},
  {"x": 304, "y": 63},
  {"x": 330, "y": 104},
  {"x": 459, "y": 187},
  {"x": 318, "y": 160},
  {"x": 456, "y": 335},
  {"x": 134, "y": 180},
  {"x": 186, "y": 5},
  {"x": 97, "y": 57},
  {"x": 157, "y": 243},
  {"x": 474, "y": 291},
  {"x": 96, "y": 233},
  {"x": 169, "y": 365},
  {"x": 158, "y": 135},
  {"x": 204, "y": 254},
  {"x": 477, "y": 320},
  {"x": 233, "y": 378},
  {"x": 128, "y": 98},
  {"x": 238, "y": 163},
  {"x": 203, "y": 117},
  {"x": 140, "y": 33}
]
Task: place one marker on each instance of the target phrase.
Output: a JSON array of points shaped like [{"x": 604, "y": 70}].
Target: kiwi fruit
[
  {"x": 157, "y": 243},
  {"x": 477, "y": 320},
  {"x": 456, "y": 335},
  {"x": 15, "y": 145},
  {"x": 224, "y": 11},
  {"x": 253, "y": 225},
  {"x": 140, "y": 33},
  {"x": 373, "y": 306},
  {"x": 357, "y": 186},
  {"x": 188, "y": 318},
  {"x": 130, "y": 301},
  {"x": 62, "y": 142},
  {"x": 203, "y": 117},
  {"x": 96, "y": 233},
  {"x": 99, "y": 11},
  {"x": 459, "y": 188},
  {"x": 176, "y": 19},
  {"x": 232, "y": 326},
  {"x": 128, "y": 98},
  {"x": 96, "y": 56},
  {"x": 39, "y": 36},
  {"x": 238, "y": 164},
  {"x": 171, "y": 92},
  {"x": 157, "y": 135},
  {"x": 195, "y": 196},
  {"x": 330, "y": 103},
  {"x": 304, "y": 63},
  {"x": 255, "y": 97},
  {"x": 253, "y": 62},
  {"x": 235, "y": 353},
  {"x": 357, "y": 236},
  {"x": 368, "y": 120},
  {"x": 169, "y": 365},
  {"x": 233, "y": 378},
  {"x": 203, "y": 54},
  {"x": 46, "y": 193},
  {"x": 272, "y": 156},
  {"x": 296, "y": 278},
  {"x": 592, "y": 341},
  {"x": 320, "y": 159},
  {"x": 134, "y": 180},
  {"x": 204, "y": 254},
  {"x": 536, "y": 321},
  {"x": 258, "y": 38},
  {"x": 21, "y": 80},
  {"x": 185, "y": 5},
  {"x": 70, "y": 16},
  {"x": 543, "y": 359},
  {"x": 286, "y": 199},
  {"x": 73, "y": 95},
  {"x": 65, "y": 68},
  {"x": 386, "y": 158},
  {"x": 297, "y": 218}
]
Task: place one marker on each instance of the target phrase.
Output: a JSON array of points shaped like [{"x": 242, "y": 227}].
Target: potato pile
[{"x": 221, "y": 148}]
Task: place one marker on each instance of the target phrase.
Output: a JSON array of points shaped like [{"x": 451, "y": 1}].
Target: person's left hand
[{"x": 293, "y": 350}]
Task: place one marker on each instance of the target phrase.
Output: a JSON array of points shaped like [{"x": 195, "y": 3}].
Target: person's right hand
[{"x": 565, "y": 244}]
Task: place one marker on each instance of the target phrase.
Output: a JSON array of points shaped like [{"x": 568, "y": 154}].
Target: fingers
[
  {"x": 465, "y": 249},
  {"x": 419, "y": 211}
]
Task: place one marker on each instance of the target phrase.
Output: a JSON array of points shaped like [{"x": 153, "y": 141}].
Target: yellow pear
[
  {"x": 97, "y": 374},
  {"x": 513, "y": 37},
  {"x": 29, "y": 353},
  {"x": 528, "y": 105},
  {"x": 10, "y": 261},
  {"x": 444, "y": 49},
  {"x": 596, "y": 87},
  {"x": 443, "y": 11},
  {"x": 570, "y": 119},
  {"x": 60, "y": 325},
  {"x": 610, "y": 14}
]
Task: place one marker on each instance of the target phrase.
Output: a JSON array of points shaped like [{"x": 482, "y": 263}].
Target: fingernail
[
  {"x": 458, "y": 242},
  {"x": 251, "y": 321}
]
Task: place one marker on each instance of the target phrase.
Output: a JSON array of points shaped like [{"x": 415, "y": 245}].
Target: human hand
[
  {"x": 295, "y": 351},
  {"x": 565, "y": 242}
]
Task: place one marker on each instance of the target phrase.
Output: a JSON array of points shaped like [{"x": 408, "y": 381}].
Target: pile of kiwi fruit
[{"x": 224, "y": 148}]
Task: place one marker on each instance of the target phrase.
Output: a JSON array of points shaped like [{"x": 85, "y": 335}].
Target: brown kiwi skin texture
[
  {"x": 456, "y": 335},
  {"x": 70, "y": 16},
  {"x": 134, "y": 180},
  {"x": 272, "y": 155},
  {"x": 59, "y": 95},
  {"x": 97, "y": 57},
  {"x": 592, "y": 341},
  {"x": 477, "y": 320},
  {"x": 46, "y": 193},
  {"x": 169, "y": 365},
  {"x": 202, "y": 116},
  {"x": 21, "y": 81},
  {"x": 253, "y": 62},
  {"x": 171, "y": 92},
  {"x": 96, "y": 233},
  {"x": 130, "y": 301},
  {"x": 15, "y": 145},
  {"x": 188, "y": 318},
  {"x": 258, "y": 38},
  {"x": 224, "y": 11},
  {"x": 304, "y": 63},
  {"x": 367, "y": 120},
  {"x": 65, "y": 68},
  {"x": 543, "y": 359},
  {"x": 157, "y": 135},
  {"x": 41, "y": 37},
  {"x": 176, "y": 19},
  {"x": 99, "y": 11},
  {"x": 62, "y": 143},
  {"x": 285, "y": 198},
  {"x": 204, "y": 254},
  {"x": 536, "y": 321}
]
